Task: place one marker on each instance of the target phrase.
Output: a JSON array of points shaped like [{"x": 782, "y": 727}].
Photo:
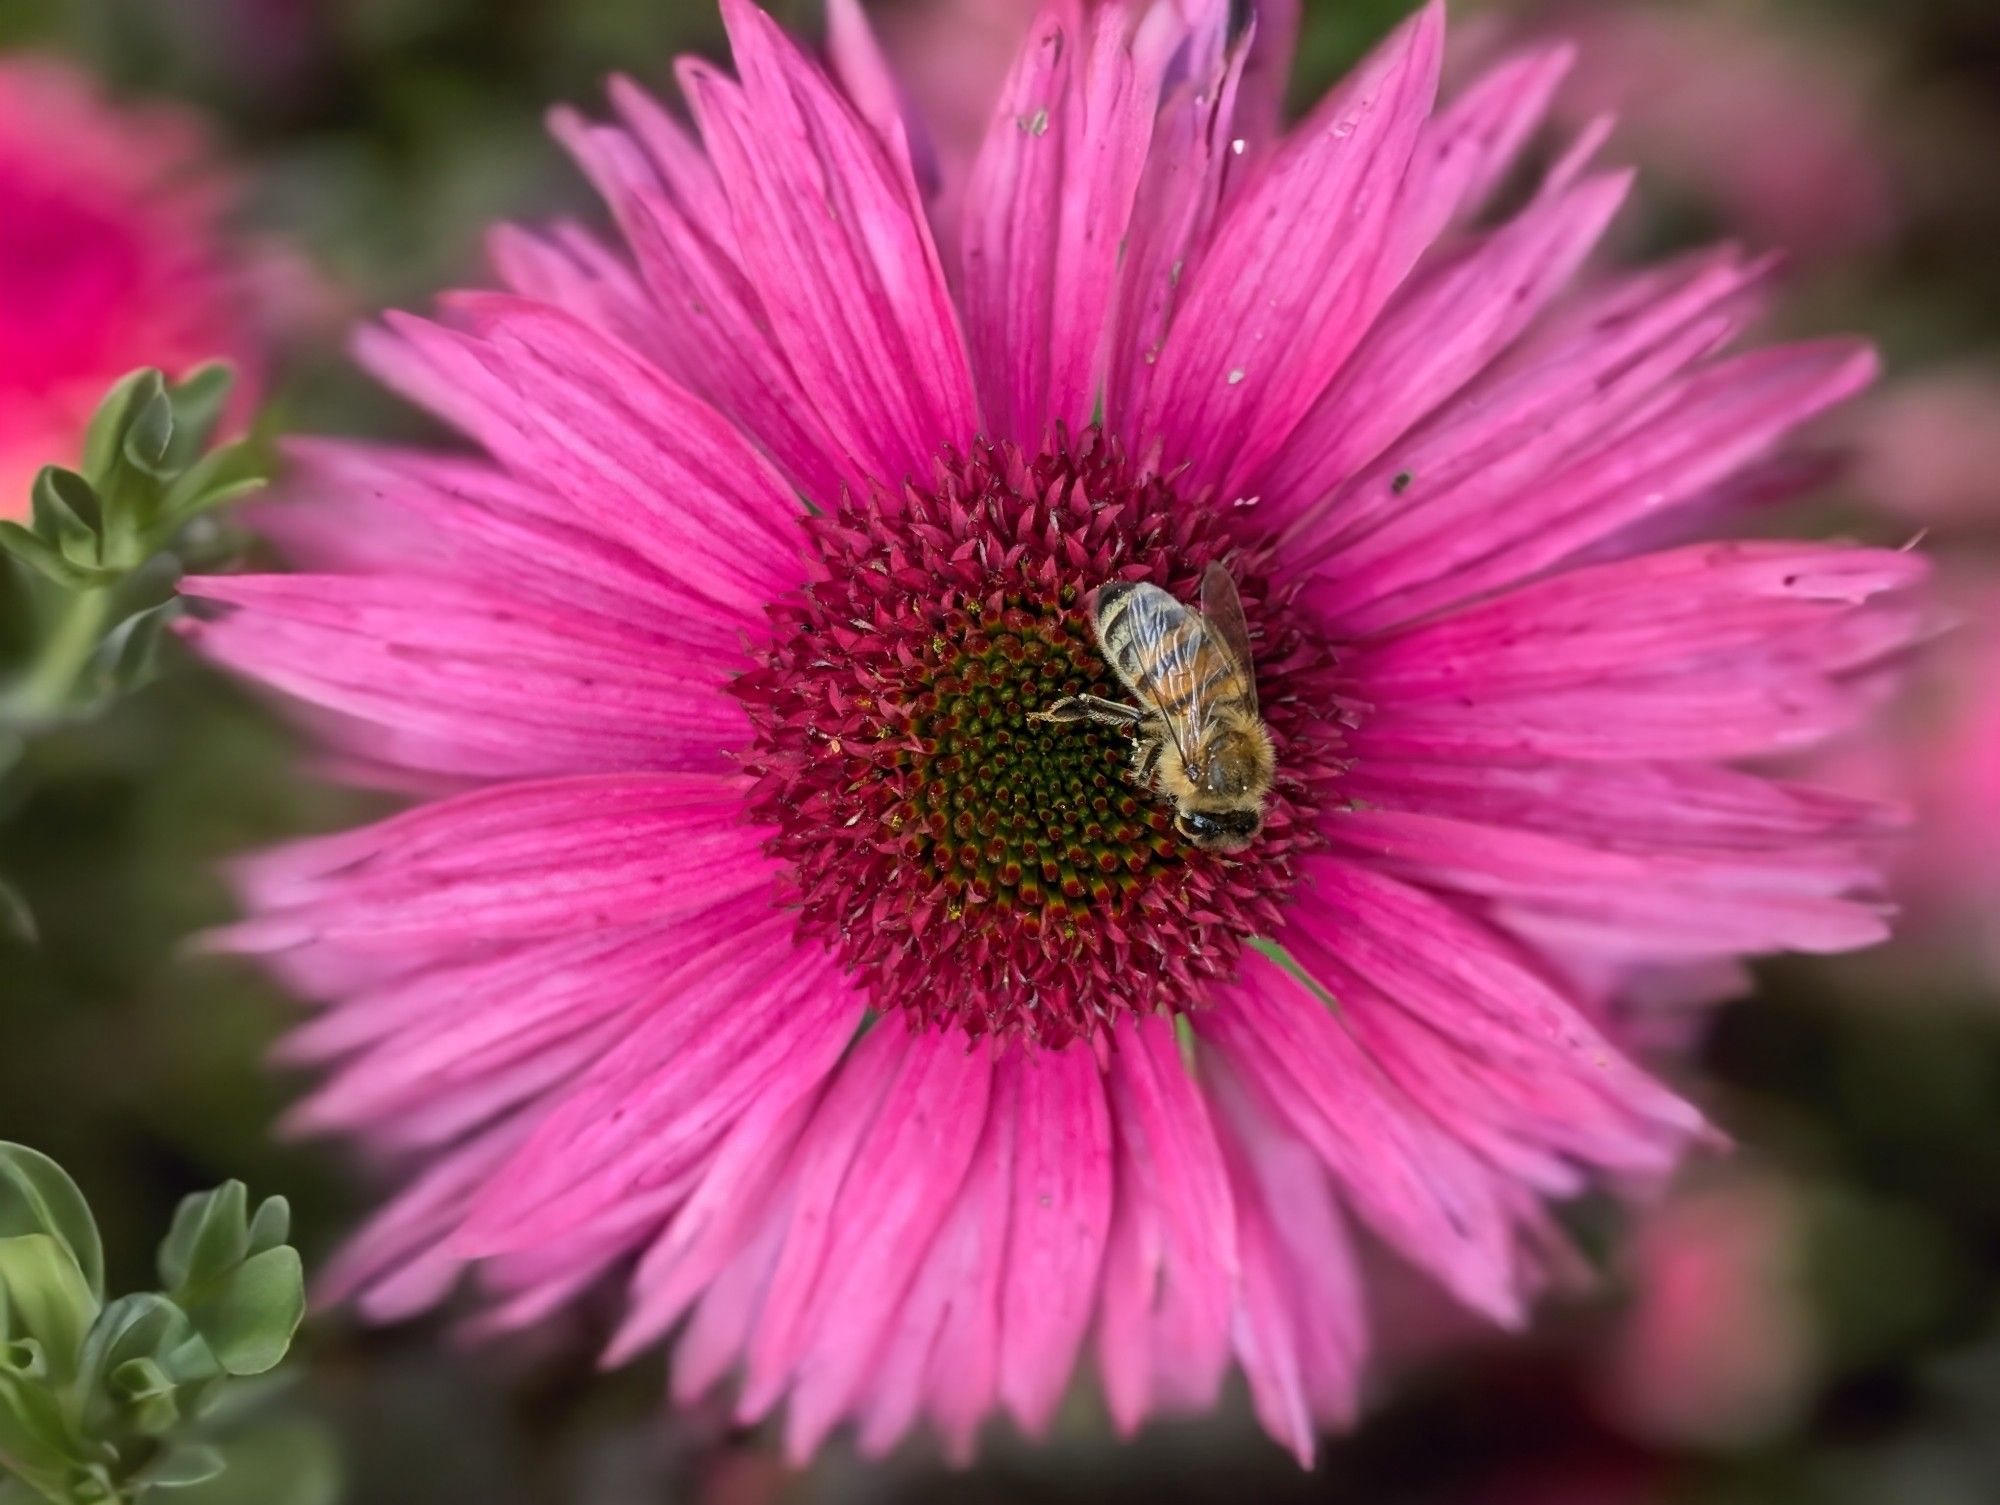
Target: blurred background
[{"x": 1813, "y": 1319}]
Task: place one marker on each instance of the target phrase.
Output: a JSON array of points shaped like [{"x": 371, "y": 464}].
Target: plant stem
[{"x": 45, "y": 690}]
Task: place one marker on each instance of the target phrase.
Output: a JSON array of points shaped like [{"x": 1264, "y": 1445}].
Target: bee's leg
[
  {"x": 1074, "y": 708},
  {"x": 1145, "y": 759}
]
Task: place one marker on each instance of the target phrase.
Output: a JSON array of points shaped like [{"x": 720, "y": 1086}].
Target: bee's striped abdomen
[{"x": 1163, "y": 650}]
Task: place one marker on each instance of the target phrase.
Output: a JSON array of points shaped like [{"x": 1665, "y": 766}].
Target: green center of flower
[{"x": 1040, "y": 821}]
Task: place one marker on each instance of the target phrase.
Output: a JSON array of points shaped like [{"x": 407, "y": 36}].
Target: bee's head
[{"x": 1219, "y": 830}]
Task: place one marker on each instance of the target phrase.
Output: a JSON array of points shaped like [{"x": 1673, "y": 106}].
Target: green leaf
[
  {"x": 66, "y": 511},
  {"x": 249, "y": 1317},
  {"x": 104, "y": 440},
  {"x": 17, "y": 920},
  {"x": 25, "y": 1357},
  {"x": 37, "y": 1196},
  {"x": 199, "y": 399},
  {"x": 271, "y": 1226},
  {"x": 150, "y": 435},
  {"x": 222, "y": 475},
  {"x": 90, "y": 1484},
  {"x": 131, "y": 650},
  {"x": 183, "y": 1467},
  {"x": 34, "y": 1442},
  {"x": 210, "y": 1236},
  {"x": 148, "y": 1394},
  {"x": 140, "y": 1328},
  {"x": 43, "y": 1295},
  {"x": 43, "y": 557}
]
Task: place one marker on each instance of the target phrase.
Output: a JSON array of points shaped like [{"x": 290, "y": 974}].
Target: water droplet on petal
[{"x": 1237, "y": 375}]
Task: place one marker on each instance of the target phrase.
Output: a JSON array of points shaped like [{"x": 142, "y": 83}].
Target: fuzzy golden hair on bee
[{"x": 1199, "y": 743}]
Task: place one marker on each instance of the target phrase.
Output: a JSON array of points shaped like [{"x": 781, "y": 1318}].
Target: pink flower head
[
  {"x": 759, "y": 951},
  {"x": 1767, "y": 120},
  {"x": 1719, "y": 1346},
  {"x": 1941, "y": 756},
  {"x": 110, "y": 259}
]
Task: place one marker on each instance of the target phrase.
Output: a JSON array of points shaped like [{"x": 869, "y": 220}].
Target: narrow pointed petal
[
  {"x": 1442, "y": 332},
  {"x": 1749, "y": 648},
  {"x": 1171, "y": 1264},
  {"x": 1300, "y": 1332},
  {"x": 1300, "y": 265},
  {"x": 1060, "y": 1216},
  {"x": 1046, "y": 215},
  {"x": 474, "y": 683},
  {"x": 549, "y": 858},
  {"x": 707, "y": 327},
  {"x": 1416, "y": 1186},
  {"x": 836, "y": 246}
]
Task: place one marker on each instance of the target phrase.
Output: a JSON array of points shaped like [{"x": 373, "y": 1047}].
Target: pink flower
[
  {"x": 1719, "y": 1347},
  {"x": 757, "y": 949},
  {"x": 110, "y": 259},
  {"x": 1930, "y": 447},
  {"x": 1770, "y": 122},
  {"x": 1941, "y": 755}
]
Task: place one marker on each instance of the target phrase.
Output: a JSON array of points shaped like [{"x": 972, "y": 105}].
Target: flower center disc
[{"x": 973, "y": 866}]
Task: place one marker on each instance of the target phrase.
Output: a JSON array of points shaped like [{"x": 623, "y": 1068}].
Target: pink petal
[
  {"x": 1046, "y": 214},
  {"x": 833, "y": 240},
  {"x": 1259, "y": 117},
  {"x": 1595, "y": 359},
  {"x": 409, "y": 1040},
  {"x": 478, "y": 683},
  {"x": 705, "y": 325},
  {"x": 1418, "y": 1187},
  {"x": 1191, "y": 159},
  {"x": 1433, "y": 339},
  {"x": 747, "y": 1017},
  {"x": 1665, "y": 860},
  {"x": 1470, "y": 144},
  {"x": 1301, "y": 1334},
  {"x": 1689, "y": 437},
  {"x": 639, "y": 459},
  {"x": 864, "y": 72},
  {"x": 1473, "y": 1033},
  {"x": 358, "y": 508},
  {"x": 550, "y": 858},
  {"x": 1296, "y": 272},
  {"x": 1060, "y": 1216},
  {"x": 884, "y": 1227},
  {"x": 830, "y": 1149},
  {"x": 1170, "y": 1268},
  {"x": 942, "y": 1351},
  {"x": 1744, "y": 648},
  {"x": 721, "y": 1217}
]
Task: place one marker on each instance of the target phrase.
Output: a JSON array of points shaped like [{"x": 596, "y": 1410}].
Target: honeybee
[{"x": 1199, "y": 740}]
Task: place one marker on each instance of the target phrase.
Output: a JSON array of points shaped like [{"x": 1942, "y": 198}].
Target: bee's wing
[
  {"x": 1224, "y": 610},
  {"x": 1169, "y": 656}
]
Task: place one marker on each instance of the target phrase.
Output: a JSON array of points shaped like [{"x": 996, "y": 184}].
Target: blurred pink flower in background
[
  {"x": 953, "y": 56},
  {"x": 891, "y": 1047},
  {"x": 1928, "y": 447},
  {"x": 1940, "y": 754},
  {"x": 1768, "y": 119},
  {"x": 112, "y": 256},
  {"x": 1718, "y": 1346}
]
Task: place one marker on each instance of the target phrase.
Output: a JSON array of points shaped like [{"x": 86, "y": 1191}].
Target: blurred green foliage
[{"x": 107, "y": 1401}]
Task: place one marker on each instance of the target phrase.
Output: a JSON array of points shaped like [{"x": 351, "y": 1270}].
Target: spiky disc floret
[{"x": 973, "y": 866}]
